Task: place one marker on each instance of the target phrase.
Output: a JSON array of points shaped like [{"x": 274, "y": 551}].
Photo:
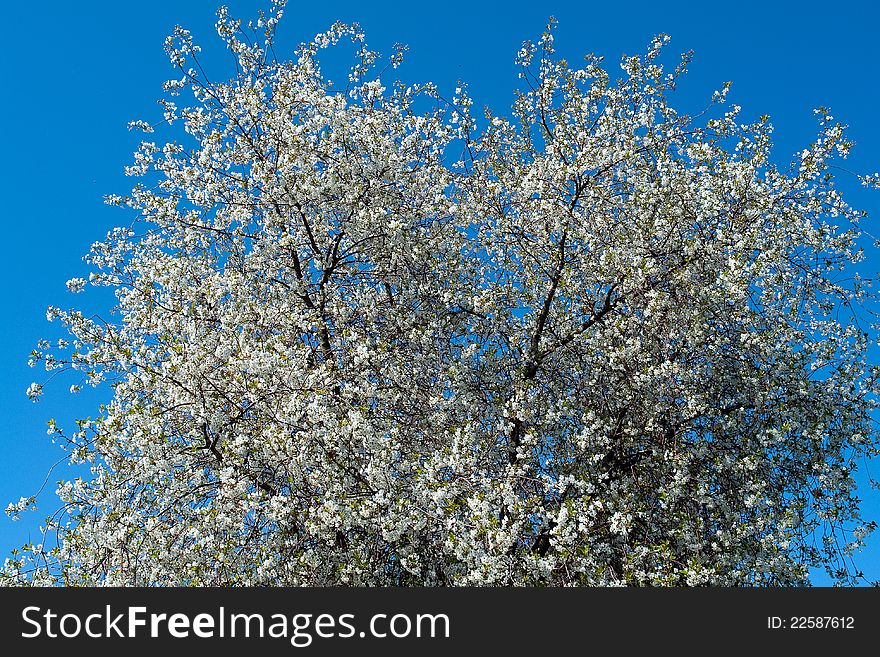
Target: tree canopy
[{"x": 364, "y": 336}]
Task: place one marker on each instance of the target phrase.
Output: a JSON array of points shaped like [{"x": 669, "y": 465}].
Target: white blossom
[
  {"x": 34, "y": 391},
  {"x": 76, "y": 285}
]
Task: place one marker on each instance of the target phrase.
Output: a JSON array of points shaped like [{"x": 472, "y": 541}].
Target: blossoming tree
[{"x": 361, "y": 339}]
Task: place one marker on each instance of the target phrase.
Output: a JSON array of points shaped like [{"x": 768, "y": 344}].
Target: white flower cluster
[
  {"x": 76, "y": 285},
  {"x": 14, "y": 509}
]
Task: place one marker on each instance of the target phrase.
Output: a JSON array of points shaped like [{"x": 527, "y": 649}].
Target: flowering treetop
[{"x": 361, "y": 340}]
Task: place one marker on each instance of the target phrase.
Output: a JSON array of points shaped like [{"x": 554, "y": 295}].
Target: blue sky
[{"x": 75, "y": 73}]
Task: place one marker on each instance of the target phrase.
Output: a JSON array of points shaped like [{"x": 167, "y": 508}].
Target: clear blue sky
[{"x": 75, "y": 73}]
